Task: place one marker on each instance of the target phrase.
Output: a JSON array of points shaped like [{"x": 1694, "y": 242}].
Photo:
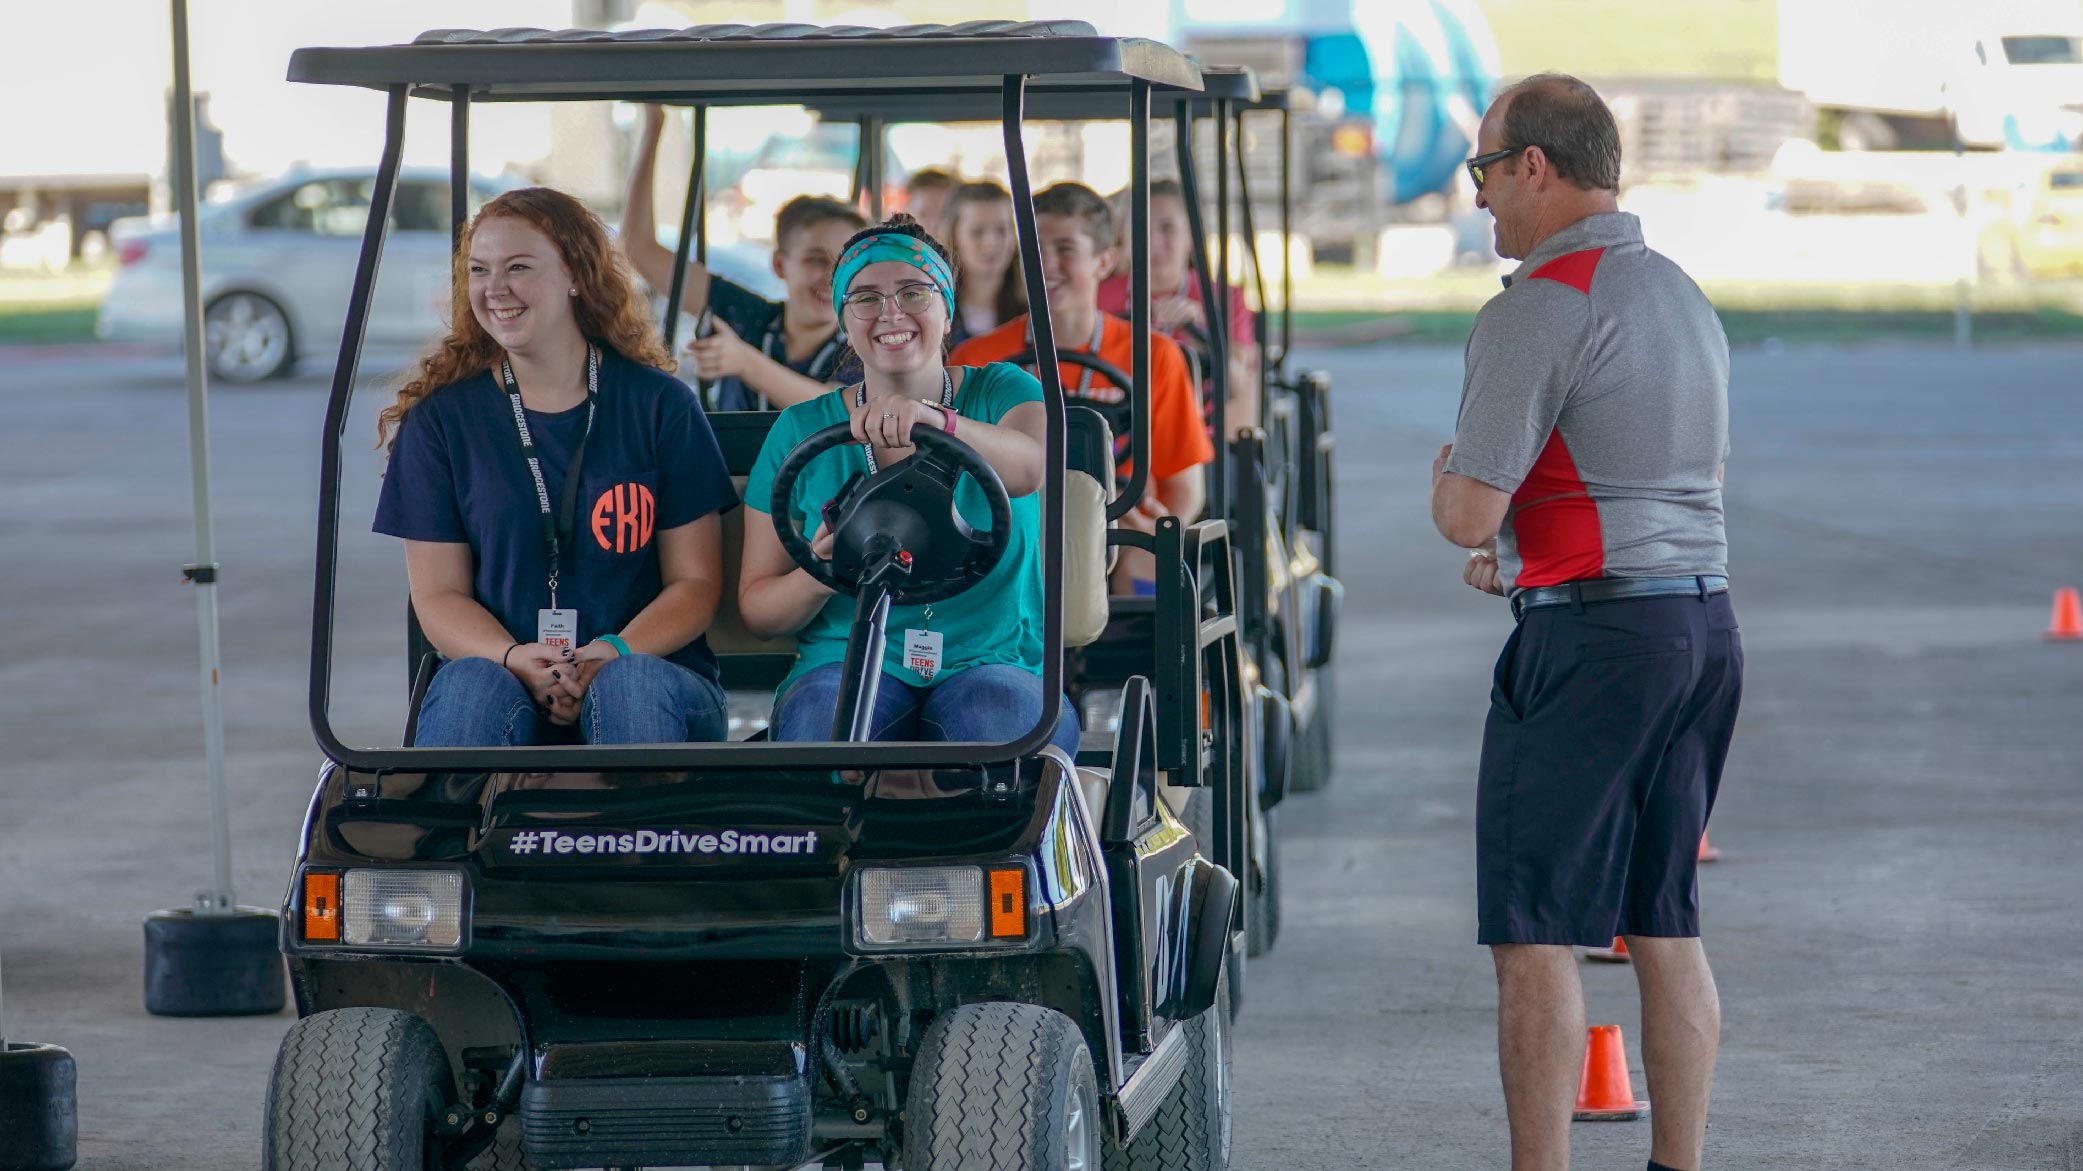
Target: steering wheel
[
  {"x": 1084, "y": 359},
  {"x": 1120, "y": 416},
  {"x": 905, "y": 511}
]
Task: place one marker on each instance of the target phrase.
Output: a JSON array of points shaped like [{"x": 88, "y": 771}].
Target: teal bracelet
[{"x": 615, "y": 640}]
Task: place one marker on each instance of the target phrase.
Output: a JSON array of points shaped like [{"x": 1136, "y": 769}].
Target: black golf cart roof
[
  {"x": 736, "y": 64},
  {"x": 1046, "y": 100}
]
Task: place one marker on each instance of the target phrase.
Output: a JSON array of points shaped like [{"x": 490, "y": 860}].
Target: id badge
[
  {"x": 922, "y": 652},
  {"x": 557, "y": 628}
]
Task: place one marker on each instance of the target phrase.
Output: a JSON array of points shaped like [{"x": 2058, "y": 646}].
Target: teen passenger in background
[
  {"x": 1077, "y": 237},
  {"x": 762, "y": 355},
  {"x": 1175, "y": 301},
  {"x": 926, "y": 195},
  {"x": 558, "y": 497},
  {"x": 989, "y": 289}
]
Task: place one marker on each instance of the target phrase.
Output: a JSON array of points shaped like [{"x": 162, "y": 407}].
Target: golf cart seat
[{"x": 753, "y": 663}]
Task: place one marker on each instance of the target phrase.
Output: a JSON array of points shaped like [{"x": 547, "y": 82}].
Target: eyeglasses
[
  {"x": 867, "y": 305},
  {"x": 1479, "y": 163}
]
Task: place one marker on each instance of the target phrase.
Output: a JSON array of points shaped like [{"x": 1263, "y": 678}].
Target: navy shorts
[{"x": 1608, "y": 727}]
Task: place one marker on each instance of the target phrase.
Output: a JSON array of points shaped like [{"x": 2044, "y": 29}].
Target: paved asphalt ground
[{"x": 1896, "y": 926}]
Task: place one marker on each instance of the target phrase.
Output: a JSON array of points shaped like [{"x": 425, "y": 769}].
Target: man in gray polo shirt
[{"x": 1585, "y": 479}]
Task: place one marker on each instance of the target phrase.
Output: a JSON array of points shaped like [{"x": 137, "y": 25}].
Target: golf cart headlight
[
  {"x": 922, "y": 905},
  {"x": 402, "y": 908}
]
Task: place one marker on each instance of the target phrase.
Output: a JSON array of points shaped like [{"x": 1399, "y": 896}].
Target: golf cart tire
[
  {"x": 1191, "y": 1129},
  {"x": 1265, "y": 889},
  {"x": 355, "y": 1089},
  {"x": 504, "y": 1153},
  {"x": 214, "y": 965},
  {"x": 1199, "y": 819},
  {"x": 999, "y": 1085},
  {"x": 39, "y": 1108}
]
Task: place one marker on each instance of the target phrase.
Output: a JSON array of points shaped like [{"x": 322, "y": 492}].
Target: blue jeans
[
  {"x": 636, "y": 699},
  {"x": 992, "y": 703}
]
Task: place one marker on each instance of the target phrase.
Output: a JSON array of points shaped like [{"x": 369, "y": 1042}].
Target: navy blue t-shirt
[
  {"x": 457, "y": 475},
  {"x": 758, "y": 321}
]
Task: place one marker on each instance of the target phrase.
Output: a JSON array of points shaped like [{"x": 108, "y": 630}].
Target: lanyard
[
  {"x": 860, "y": 397},
  {"x": 1099, "y": 335},
  {"x": 822, "y": 365},
  {"x": 555, "y": 530}
]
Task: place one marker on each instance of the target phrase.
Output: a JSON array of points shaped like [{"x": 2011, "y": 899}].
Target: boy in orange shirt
[{"x": 1076, "y": 228}]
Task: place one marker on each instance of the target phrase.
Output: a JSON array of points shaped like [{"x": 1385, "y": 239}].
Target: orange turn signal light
[
  {"x": 1009, "y": 903},
  {"x": 321, "y": 908}
]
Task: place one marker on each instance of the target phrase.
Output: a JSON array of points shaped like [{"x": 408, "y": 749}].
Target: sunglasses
[{"x": 1479, "y": 163}]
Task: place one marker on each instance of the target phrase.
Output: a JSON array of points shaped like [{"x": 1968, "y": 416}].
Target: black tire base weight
[
  {"x": 39, "y": 1108},
  {"x": 214, "y": 965}
]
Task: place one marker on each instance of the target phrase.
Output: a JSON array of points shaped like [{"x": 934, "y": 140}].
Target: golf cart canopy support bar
[
  {"x": 735, "y": 64},
  {"x": 626, "y": 66}
]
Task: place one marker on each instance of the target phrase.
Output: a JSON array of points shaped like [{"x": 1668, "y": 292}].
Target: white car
[
  {"x": 279, "y": 261},
  {"x": 278, "y": 265}
]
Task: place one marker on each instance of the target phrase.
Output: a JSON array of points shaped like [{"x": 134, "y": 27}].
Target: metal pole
[
  {"x": 690, "y": 216},
  {"x": 1258, "y": 272},
  {"x": 339, "y": 399},
  {"x": 1139, "y": 395},
  {"x": 458, "y": 165},
  {"x": 1012, "y": 116},
  {"x": 1204, "y": 276},
  {"x": 203, "y": 572},
  {"x": 872, "y": 146},
  {"x": 3, "y": 1018},
  {"x": 1287, "y": 237},
  {"x": 860, "y": 161},
  {"x": 700, "y": 186}
]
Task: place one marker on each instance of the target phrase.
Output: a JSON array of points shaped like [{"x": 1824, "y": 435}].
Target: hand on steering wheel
[
  {"x": 886, "y": 418},
  {"x": 906, "y": 512}
]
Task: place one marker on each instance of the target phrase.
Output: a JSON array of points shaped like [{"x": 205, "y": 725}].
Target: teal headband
[{"x": 883, "y": 246}]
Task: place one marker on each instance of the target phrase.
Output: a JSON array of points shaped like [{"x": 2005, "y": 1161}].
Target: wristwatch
[{"x": 946, "y": 414}]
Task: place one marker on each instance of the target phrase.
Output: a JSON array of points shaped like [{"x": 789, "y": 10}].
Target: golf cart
[
  {"x": 1295, "y": 635},
  {"x": 1132, "y": 645},
  {"x": 757, "y": 954}
]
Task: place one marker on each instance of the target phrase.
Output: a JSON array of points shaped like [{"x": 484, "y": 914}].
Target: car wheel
[
  {"x": 247, "y": 338},
  {"x": 1003, "y": 1085},
  {"x": 1191, "y": 1130},
  {"x": 355, "y": 1087}
]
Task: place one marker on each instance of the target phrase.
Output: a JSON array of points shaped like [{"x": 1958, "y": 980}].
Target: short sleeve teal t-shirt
[{"x": 997, "y": 620}]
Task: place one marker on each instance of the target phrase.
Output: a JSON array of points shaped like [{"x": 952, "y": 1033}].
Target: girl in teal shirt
[{"x": 894, "y": 289}]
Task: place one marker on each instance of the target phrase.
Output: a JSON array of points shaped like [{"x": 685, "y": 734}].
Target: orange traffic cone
[
  {"x": 1616, "y": 954},
  {"x": 1708, "y": 853},
  {"x": 1604, "y": 1093},
  {"x": 2067, "y": 622}
]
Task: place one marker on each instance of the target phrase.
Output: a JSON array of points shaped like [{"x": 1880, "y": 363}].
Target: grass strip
[{"x": 46, "y": 325}]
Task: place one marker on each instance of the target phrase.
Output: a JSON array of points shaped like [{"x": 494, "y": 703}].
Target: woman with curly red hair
[{"x": 559, "y": 498}]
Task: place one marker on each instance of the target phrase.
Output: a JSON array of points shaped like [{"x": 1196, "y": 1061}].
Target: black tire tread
[
  {"x": 350, "y": 1092},
  {"x": 505, "y": 1152},
  {"x": 1190, "y": 1130},
  {"x": 986, "y": 1080}
]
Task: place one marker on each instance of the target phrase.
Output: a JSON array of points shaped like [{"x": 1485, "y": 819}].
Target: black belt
[{"x": 1615, "y": 589}]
